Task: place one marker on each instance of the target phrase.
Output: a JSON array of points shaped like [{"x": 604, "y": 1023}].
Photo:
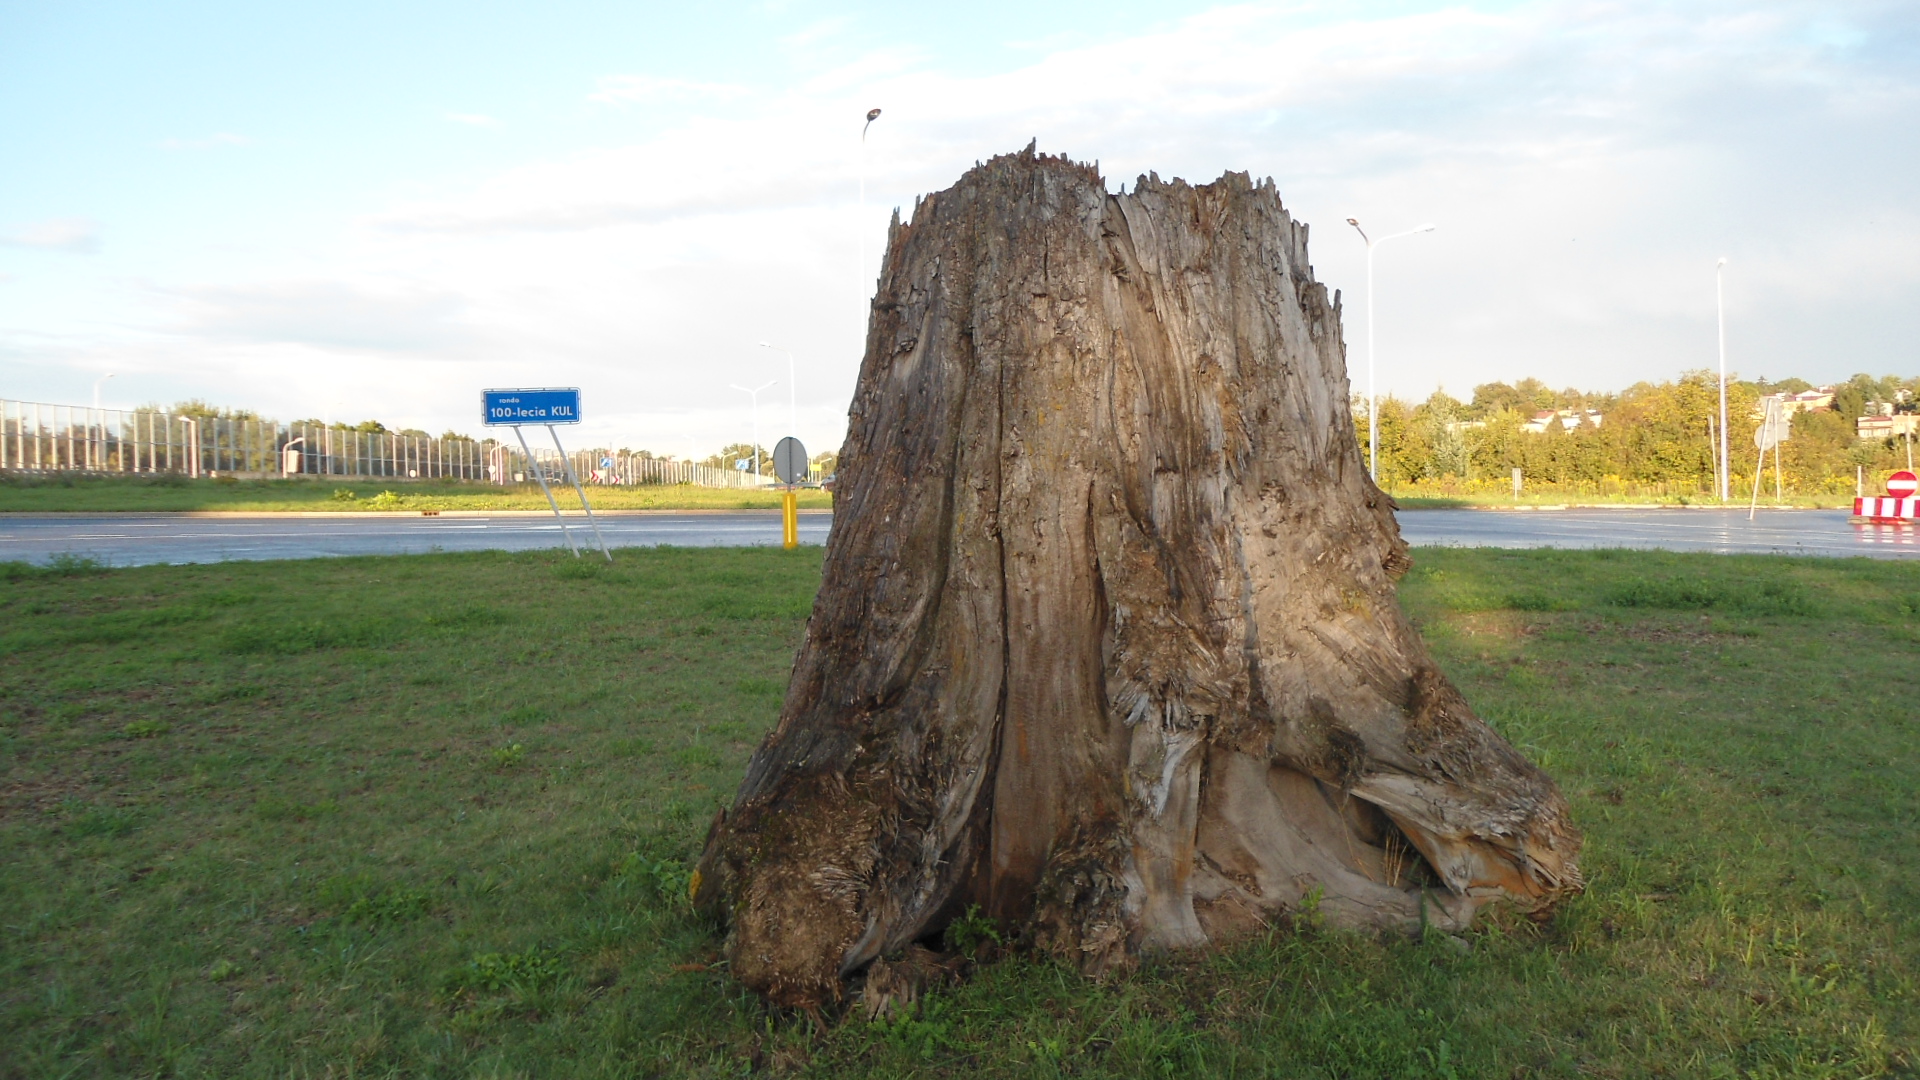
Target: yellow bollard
[{"x": 790, "y": 519}]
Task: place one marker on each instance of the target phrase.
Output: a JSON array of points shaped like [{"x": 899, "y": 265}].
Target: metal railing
[{"x": 41, "y": 437}]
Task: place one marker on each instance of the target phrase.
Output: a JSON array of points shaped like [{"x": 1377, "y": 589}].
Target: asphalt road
[
  {"x": 1781, "y": 532},
  {"x": 136, "y": 539}
]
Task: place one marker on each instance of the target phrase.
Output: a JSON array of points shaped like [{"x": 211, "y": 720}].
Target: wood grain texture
[{"x": 1107, "y": 641}]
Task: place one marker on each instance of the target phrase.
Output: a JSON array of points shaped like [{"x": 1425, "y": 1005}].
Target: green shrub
[{"x": 67, "y": 564}]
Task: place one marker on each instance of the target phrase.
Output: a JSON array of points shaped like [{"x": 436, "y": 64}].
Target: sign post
[
  {"x": 547, "y": 406},
  {"x": 1775, "y": 428},
  {"x": 790, "y": 465}
]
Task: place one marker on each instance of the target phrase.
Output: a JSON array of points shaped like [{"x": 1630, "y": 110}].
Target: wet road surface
[
  {"x": 1781, "y": 532},
  {"x": 137, "y": 539}
]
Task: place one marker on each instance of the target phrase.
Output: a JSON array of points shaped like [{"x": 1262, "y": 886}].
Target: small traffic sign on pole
[
  {"x": 790, "y": 460},
  {"x": 1903, "y": 484},
  {"x": 790, "y": 465}
]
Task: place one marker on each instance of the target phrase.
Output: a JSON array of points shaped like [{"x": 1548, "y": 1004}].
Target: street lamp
[
  {"x": 860, "y": 228},
  {"x": 1720, "y": 309},
  {"x": 1373, "y": 435},
  {"x": 793, "y": 384},
  {"x": 755, "y": 394}
]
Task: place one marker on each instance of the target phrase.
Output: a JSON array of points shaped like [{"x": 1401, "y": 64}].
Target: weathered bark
[{"x": 1107, "y": 641}]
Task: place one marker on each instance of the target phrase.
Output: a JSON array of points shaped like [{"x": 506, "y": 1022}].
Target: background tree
[
  {"x": 733, "y": 453},
  {"x": 1440, "y": 418}
]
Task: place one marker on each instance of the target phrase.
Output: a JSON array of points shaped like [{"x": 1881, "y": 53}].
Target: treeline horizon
[{"x": 1649, "y": 434}]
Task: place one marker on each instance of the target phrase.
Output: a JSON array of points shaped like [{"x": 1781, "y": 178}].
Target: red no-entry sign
[{"x": 1903, "y": 484}]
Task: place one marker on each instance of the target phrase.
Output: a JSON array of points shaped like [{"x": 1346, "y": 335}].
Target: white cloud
[
  {"x": 1586, "y": 165},
  {"x": 74, "y": 234},
  {"x": 324, "y": 314},
  {"x": 650, "y": 89},
  {"x": 224, "y": 138}
]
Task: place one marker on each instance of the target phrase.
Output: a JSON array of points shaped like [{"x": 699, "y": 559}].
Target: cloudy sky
[{"x": 375, "y": 209}]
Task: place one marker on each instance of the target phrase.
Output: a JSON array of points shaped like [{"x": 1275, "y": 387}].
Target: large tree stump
[{"x": 1107, "y": 642}]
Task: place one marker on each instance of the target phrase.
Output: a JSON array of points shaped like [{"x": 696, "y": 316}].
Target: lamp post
[
  {"x": 1720, "y": 311},
  {"x": 755, "y": 394},
  {"x": 860, "y": 228},
  {"x": 793, "y": 384},
  {"x": 1373, "y": 435}
]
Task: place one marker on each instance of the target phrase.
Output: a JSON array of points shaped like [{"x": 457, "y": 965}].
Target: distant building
[
  {"x": 1567, "y": 419},
  {"x": 1888, "y": 426},
  {"x": 1818, "y": 399}
]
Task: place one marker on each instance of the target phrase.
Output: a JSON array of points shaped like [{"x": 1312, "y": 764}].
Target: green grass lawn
[
  {"x": 23, "y": 493},
  {"x": 433, "y": 815}
]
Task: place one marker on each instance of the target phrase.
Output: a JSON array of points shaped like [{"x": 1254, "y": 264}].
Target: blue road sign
[{"x": 551, "y": 405}]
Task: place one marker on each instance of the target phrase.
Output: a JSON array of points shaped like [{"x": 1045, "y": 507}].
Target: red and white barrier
[
  {"x": 1899, "y": 505},
  {"x": 1880, "y": 508}
]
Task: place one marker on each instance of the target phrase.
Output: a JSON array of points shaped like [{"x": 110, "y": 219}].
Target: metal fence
[{"x": 38, "y": 437}]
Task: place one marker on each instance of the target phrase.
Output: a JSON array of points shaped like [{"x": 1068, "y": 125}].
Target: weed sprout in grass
[
  {"x": 61, "y": 564},
  {"x": 697, "y": 756},
  {"x": 519, "y": 973},
  {"x": 966, "y": 934},
  {"x": 111, "y": 822},
  {"x": 276, "y": 809}
]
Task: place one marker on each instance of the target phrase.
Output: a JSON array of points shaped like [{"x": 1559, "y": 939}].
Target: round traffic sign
[
  {"x": 1903, "y": 484},
  {"x": 790, "y": 460}
]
